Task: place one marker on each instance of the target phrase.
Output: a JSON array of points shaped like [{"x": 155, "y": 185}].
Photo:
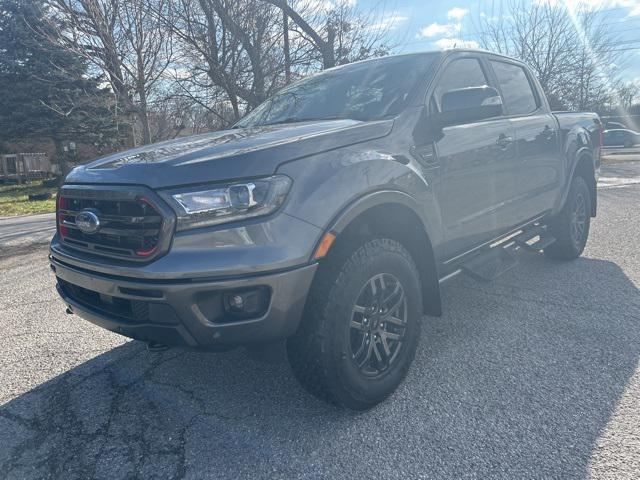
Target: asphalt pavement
[
  {"x": 535, "y": 375},
  {"x": 25, "y": 232}
]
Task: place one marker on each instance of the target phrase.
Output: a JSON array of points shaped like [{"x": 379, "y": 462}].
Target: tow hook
[
  {"x": 68, "y": 311},
  {"x": 157, "y": 347}
]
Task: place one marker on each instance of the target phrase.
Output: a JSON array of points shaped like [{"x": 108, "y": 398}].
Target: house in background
[{"x": 26, "y": 166}]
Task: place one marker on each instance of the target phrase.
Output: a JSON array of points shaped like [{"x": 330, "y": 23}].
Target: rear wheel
[
  {"x": 361, "y": 325},
  {"x": 571, "y": 226}
]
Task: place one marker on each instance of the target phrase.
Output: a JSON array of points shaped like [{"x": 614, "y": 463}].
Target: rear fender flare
[{"x": 583, "y": 154}]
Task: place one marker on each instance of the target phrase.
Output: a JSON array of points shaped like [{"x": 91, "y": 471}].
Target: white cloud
[
  {"x": 447, "y": 43},
  {"x": 435, "y": 29},
  {"x": 389, "y": 22},
  {"x": 457, "y": 13},
  {"x": 449, "y": 31}
]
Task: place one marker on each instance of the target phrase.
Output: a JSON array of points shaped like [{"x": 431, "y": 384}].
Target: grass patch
[{"x": 14, "y": 199}]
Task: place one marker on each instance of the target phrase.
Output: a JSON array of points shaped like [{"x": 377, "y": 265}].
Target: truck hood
[{"x": 227, "y": 154}]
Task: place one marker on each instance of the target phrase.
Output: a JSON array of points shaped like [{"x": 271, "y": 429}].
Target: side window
[
  {"x": 462, "y": 73},
  {"x": 518, "y": 96}
]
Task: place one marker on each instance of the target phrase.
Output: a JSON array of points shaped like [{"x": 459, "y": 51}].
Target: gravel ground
[{"x": 535, "y": 375}]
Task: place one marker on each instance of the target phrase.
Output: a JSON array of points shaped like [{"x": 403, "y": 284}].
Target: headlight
[{"x": 201, "y": 206}]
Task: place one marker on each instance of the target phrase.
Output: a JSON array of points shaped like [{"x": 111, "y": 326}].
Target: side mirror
[{"x": 467, "y": 105}]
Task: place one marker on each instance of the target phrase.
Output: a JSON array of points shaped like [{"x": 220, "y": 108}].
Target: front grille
[{"x": 130, "y": 227}]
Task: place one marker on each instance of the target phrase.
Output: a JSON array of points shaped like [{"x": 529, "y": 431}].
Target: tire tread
[
  {"x": 564, "y": 248},
  {"x": 309, "y": 350}
]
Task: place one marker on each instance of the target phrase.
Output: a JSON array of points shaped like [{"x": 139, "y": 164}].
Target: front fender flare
[{"x": 426, "y": 263}]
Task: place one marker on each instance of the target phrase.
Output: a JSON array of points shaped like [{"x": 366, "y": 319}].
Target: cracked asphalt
[{"x": 535, "y": 375}]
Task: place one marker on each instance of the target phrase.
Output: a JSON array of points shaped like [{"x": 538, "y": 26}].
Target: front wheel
[
  {"x": 361, "y": 325},
  {"x": 571, "y": 226}
]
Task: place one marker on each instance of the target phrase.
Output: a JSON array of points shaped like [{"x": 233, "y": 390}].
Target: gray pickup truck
[{"x": 330, "y": 215}]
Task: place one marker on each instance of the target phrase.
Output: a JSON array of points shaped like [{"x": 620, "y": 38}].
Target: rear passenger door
[
  {"x": 539, "y": 161},
  {"x": 475, "y": 160}
]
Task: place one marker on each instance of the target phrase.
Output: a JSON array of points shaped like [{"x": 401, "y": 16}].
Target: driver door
[{"x": 476, "y": 162}]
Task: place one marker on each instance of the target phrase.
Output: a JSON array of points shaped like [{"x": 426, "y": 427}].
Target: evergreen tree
[{"x": 46, "y": 91}]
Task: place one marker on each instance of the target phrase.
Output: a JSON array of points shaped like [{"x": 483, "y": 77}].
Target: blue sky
[{"x": 417, "y": 25}]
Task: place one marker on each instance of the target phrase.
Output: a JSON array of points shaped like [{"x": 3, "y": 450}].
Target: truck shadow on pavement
[{"x": 519, "y": 378}]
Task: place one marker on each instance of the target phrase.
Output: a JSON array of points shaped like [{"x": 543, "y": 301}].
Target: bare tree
[
  {"x": 596, "y": 62},
  {"x": 245, "y": 50},
  {"x": 149, "y": 52},
  {"x": 627, "y": 95},
  {"x": 123, "y": 40},
  {"x": 321, "y": 32},
  {"x": 222, "y": 57},
  {"x": 337, "y": 31},
  {"x": 228, "y": 46},
  {"x": 571, "y": 51}
]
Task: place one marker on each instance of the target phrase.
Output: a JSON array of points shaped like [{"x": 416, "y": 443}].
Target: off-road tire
[
  {"x": 568, "y": 244},
  {"x": 320, "y": 353}
]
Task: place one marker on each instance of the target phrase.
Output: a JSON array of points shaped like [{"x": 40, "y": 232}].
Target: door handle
[{"x": 503, "y": 141}]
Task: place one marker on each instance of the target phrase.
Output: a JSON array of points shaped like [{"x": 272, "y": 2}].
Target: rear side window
[
  {"x": 518, "y": 95},
  {"x": 462, "y": 73}
]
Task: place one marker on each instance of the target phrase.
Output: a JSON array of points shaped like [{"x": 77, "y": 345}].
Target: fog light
[
  {"x": 236, "y": 303},
  {"x": 247, "y": 303}
]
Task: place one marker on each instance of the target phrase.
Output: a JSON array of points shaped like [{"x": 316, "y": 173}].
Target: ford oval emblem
[{"x": 88, "y": 222}]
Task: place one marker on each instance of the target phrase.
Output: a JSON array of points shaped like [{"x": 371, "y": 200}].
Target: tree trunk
[
  {"x": 61, "y": 158},
  {"x": 143, "y": 115},
  {"x": 142, "y": 110},
  {"x": 324, "y": 47},
  {"x": 327, "y": 49},
  {"x": 234, "y": 104},
  {"x": 287, "y": 53},
  {"x": 134, "y": 137}
]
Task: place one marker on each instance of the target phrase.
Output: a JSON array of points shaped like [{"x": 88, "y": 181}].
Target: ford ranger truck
[{"x": 330, "y": 215}]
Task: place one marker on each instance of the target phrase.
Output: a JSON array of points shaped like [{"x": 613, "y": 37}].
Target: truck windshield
[{"x": 362, "y": 91}]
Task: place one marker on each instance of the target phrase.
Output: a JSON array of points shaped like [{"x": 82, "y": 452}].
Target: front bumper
[{"x": 188, "y": 313}]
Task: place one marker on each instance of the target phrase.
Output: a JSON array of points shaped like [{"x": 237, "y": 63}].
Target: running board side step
[
  {"x": 492, "y": 260},
  {"x": 527, "y": 239},
  {"x": 490, "y": 264}
]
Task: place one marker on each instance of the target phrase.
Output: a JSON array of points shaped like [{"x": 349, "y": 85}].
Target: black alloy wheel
[{"x": 378, "y": 324}]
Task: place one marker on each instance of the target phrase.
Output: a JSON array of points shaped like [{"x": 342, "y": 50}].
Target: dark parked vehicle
[
  {"x": 330, "y": 215},
  {"x": 621, "y": 138}
]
